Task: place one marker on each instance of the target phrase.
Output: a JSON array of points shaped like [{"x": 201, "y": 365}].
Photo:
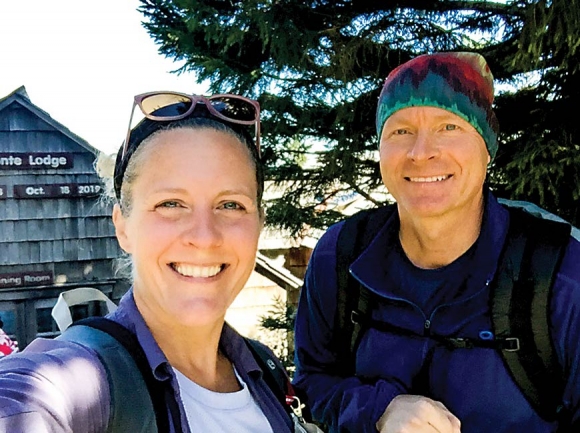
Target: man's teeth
[
  {"x": 428, "y": 179},
  {"x": 197, "y": 271}
]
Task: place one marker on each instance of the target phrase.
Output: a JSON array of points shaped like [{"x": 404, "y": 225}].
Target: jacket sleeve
[
  {"x": 53, "y": 387},
  {"x": 565, "y": 320},
  {"x": 343, "y": 404}
]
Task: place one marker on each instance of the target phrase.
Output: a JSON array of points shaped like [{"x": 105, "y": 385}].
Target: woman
[{"x": 188, "y": 186}]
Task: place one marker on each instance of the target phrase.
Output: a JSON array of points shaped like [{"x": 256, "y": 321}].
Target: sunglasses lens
[
  {"x": 234, "y": 108},
  {"x": 165, "y": 105}
]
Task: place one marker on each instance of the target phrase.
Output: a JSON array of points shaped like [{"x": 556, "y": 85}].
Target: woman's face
[{"x": 193, "y": 227}]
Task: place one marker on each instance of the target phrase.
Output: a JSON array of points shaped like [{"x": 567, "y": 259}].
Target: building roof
[
  {"x": 276, "y": 273},
  {"x": 20, "y": 97}
]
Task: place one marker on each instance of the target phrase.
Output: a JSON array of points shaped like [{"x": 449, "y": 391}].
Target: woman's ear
[{"x": 120, "y": 223}]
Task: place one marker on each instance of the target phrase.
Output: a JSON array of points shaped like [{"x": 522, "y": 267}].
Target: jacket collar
[{"x": 370, "y": 267}]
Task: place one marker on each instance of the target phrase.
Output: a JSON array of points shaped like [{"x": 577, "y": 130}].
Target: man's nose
[{"x": 423, "y": 148}]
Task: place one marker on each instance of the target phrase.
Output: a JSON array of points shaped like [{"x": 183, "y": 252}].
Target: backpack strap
[
  {"x": 274, "y": 375},
  {"x": 139, "y": 402},
  {"x": 355, "y": 235},
  {"x": 277, "y": 380},
  {"x": 520, "y": 307}
]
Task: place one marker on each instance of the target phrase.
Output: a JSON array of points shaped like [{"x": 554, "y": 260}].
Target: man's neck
[{"x": 432, "y": 243}]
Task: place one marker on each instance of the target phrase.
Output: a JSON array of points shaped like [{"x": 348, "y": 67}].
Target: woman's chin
[{"x": 198, "y": 315}]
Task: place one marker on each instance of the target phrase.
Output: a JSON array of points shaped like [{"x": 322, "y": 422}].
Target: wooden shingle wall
[{"x": 53, "y": 223}]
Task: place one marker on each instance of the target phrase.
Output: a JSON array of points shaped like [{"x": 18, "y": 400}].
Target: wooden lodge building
[{"x": 56, "y": 232}]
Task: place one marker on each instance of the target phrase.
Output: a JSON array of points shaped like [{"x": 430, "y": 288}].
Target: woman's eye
[{"x": 168, "y": 204}]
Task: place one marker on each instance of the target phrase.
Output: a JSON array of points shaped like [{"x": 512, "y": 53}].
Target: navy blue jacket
[{"x": 472, "y": 383}]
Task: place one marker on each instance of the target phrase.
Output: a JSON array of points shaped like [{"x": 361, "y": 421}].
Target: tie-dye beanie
[{"x": 459, "y": 82}]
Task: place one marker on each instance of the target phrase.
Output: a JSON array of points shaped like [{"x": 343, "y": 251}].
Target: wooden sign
[
  {"x": 35, "y": 161},
  {"x": 25, "y": 279},
  {"x": 57, "y": 190}
]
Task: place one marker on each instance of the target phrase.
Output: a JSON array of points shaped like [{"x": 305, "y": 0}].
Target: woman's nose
[{"x": 203, "y": 230}]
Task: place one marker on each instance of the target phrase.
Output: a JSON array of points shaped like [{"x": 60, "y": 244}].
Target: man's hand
[{"x": 417, "y": 414}]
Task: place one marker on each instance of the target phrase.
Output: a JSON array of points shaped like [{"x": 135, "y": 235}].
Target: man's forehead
[{"x": 423, "y": 112}]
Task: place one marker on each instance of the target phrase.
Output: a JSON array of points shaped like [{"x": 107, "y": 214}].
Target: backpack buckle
[
  {"x": 512, "y": 344},
  {"x": 460, "y": 343},
  {"x": 355, "y": 317},
  {"x": 296, "y": 405}
]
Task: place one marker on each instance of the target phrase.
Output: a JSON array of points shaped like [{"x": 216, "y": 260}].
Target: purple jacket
[
  {"x": 472, "y": 383},
  {"x": 56, "y": 386}
]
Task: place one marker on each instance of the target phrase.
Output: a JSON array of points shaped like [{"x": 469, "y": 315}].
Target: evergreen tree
[
  {"x": 317, "y": 68},
  {"x": 539, "y": 158}
]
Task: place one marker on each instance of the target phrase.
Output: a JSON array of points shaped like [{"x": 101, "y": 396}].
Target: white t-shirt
[{"x": 215, "y": 412}]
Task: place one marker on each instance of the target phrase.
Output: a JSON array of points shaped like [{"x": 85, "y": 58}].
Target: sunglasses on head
[{"x": 169, "y": 106}]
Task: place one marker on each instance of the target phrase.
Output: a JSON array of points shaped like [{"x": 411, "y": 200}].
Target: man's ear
[{"x": 120, "y": 224}]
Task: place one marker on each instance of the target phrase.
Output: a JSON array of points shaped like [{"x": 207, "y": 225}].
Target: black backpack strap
[
  {"x": 129, "y": 402},
  {"x": 274, "y": 375},
  {"x": 360, "y": 315},
  {"x": 277, "y": 380},
  {"x": 366, "y": 322},
  {"x": 520, "y": 307},
  {"x": 293, "y": 400},
  {"x": 355, "y": 235}
]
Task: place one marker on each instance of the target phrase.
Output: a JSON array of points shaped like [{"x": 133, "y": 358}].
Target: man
[{"x": 429, "y": 268}]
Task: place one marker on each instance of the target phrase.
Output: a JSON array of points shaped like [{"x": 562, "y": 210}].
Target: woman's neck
[{"x": 194, "y": 351}]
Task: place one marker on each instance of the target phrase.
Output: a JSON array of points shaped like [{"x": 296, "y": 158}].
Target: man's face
[{"x": 433, "y": 162}]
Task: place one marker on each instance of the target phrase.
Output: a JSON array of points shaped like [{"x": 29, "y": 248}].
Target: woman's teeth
[{"x": 196, "y": 271}]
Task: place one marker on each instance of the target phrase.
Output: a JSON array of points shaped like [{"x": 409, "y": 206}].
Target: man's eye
[
  {"x": 231, "y": 205},
  {"x": 400, "y": 131},
  {"x": 451, "y": 127}
]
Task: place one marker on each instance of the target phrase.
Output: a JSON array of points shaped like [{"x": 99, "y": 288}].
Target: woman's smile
[{"x": 188, "y": 270}]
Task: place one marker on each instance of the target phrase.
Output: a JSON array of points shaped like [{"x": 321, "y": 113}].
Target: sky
[{"x": 83, "y": 61}]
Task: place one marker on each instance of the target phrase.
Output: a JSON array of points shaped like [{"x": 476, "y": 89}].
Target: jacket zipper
[
  {"x": 427, "y": 326},
  {"x": 426, "y": 321}
]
